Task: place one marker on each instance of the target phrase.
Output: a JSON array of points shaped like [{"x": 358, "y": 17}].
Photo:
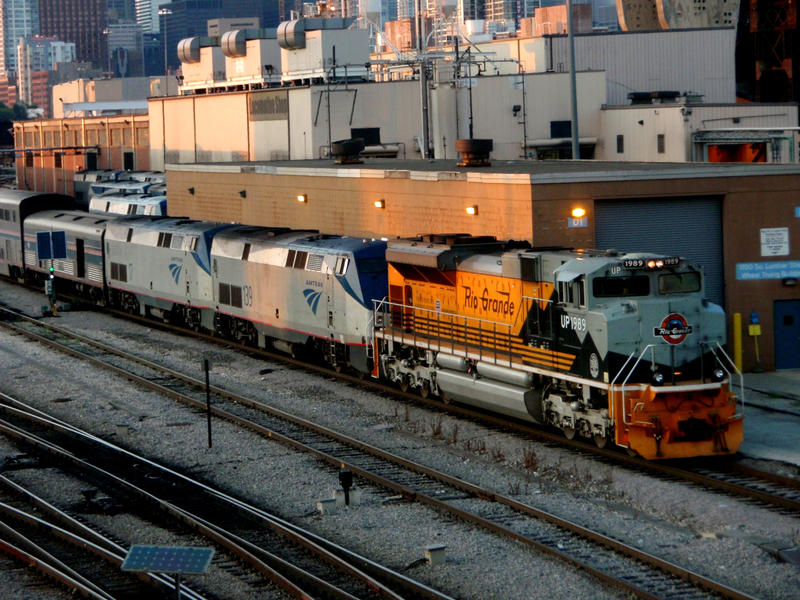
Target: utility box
[
  {"x": 323, "y": 50},
  {"x": 252, "y": 57},
  {"x": 202, "y": 63}
]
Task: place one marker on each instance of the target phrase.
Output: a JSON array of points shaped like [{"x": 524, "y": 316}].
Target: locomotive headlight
[
  {"x": 718, "y": 374},
  {"x": 658, "y": 378}
]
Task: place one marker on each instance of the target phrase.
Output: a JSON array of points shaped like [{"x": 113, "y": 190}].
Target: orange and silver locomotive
[{"x": 601, "y": 345}]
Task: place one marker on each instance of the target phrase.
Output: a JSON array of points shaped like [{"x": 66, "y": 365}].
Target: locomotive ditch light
[
  {"x": 658, "y": 378},
  {"x": 718, "y": 374}
]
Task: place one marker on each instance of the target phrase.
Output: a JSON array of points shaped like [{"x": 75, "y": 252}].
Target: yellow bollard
[{"x": 737, "y": 340}]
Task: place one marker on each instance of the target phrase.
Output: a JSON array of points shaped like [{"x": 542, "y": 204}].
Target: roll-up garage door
[{"x": 687, "y": 227}]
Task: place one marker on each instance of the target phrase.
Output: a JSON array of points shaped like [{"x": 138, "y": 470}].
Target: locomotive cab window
[
  {"x": 618, "y": 287},
  {"x": 679, "y": 283},
  {"x": 193, "y": 244},
  {"x": 572, "y": 292},
  {"x": 177, "y": 242},
  {"x": 164, "y": 240},
  {"x": 341, "y": 264}
]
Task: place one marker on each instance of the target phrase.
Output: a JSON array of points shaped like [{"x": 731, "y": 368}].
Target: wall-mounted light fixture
[
  {"x": 379, "y": 203},
  {"x": 472, "y": 210},
  {"x": 515, "y": 109},
  {"x": 789, "y": 281},
  {"x": 640, "y": 122},
  {"x": 243, "y": 193},
  {"x": 302, "y": 198},
  {"x": 190, "y": 190},
  {"x": 578, "y": 212},
  {"x": 577, "y": 217}
]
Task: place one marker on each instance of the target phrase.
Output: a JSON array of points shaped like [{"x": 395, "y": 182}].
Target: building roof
[
  {"x": 115, "y": 106},
  {"x": 524, "y": 172}
]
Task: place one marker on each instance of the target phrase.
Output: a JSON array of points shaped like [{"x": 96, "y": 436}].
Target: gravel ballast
[{"x": 716, "y": 536}]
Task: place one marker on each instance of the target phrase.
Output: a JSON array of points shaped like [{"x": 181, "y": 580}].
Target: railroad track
[
  {"x": 302, "y": 564},
  {"x": 724, "y": 475},
  {"x": 62, "y": 547},
  {"x": 613, "y": 562}
]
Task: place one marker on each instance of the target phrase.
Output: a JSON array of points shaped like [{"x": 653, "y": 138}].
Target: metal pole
[
  {"x": 572, "y": 86},
  {"x": 208, "y": 401}
]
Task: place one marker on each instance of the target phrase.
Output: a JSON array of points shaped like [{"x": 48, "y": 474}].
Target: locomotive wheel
[
  {"x": 600, "y": 441},
  {"x": 569, "y": 432}
]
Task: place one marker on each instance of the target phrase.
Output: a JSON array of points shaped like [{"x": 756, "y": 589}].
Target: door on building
[{"x": 786, "y": 324}]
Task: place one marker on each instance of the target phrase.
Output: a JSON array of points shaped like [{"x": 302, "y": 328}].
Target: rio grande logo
[{"x": 673, "y": 329}]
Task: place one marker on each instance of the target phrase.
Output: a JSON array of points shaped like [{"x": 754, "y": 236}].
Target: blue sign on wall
[{"x": 780, "y": 269}]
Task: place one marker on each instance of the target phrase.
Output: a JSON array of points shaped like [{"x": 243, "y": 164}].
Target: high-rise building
[
  {"x": 121, "y": 10},
  {"x": 37, "y": 55},
  {"x": 18, "y": 18},
  {"x": 125, "y": 47},
  {"x": 147, "y": 14},
  {"x": 81, "y": 22}
]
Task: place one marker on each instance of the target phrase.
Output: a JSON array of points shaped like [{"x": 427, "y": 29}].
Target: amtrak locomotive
[{"x": 614, "y": 348}]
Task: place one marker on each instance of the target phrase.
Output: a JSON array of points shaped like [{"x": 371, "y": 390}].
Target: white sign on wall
[{"x": 775, "y": 241}]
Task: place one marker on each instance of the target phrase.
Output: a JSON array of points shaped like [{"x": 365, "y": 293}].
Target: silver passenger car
[
  {"x": 83, "y": 265},
  {"x": 15, "y": 206}
]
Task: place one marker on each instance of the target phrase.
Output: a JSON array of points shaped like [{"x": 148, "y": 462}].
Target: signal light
[{"x": 52, "y": 271}]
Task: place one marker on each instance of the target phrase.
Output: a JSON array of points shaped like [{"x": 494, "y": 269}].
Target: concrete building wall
[
  {"x": 647, "y": 61},
  {"x": 235, "y": 128},
  {"x": 640, "y": 126}
]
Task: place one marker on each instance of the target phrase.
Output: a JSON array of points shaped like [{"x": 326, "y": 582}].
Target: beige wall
[{"x": 220, "y": 127}]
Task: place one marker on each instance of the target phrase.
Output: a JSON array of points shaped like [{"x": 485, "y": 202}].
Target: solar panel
[{"x": 168, "y": 559}]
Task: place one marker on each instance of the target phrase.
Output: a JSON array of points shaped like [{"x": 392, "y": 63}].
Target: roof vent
[
  {"x": 474, "y": 152},
  {"x": 347, "y": 152}
]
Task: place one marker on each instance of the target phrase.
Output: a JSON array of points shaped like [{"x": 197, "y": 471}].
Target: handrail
[
  {"x": 733, "y": 370},
  {"x": 630, "y": 372}
]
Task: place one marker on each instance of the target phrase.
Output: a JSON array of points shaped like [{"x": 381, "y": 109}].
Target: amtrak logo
[
  {"x": 312, "y": 297},
  {"x": 674, "y": 329},
  {"x": 175, "y": 269}
]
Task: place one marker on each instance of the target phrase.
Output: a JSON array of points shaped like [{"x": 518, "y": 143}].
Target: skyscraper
[
  {"x": 18, "y": 18},
  {"x": 78, "y": 21},
  {"x": 121, "y": 10}
]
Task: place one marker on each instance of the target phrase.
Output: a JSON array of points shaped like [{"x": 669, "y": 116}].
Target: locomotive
[
  {"x": 597, "y": 344},
  {"x": 619, "y": 348}
]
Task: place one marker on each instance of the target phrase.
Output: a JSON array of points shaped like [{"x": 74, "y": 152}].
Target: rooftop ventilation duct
[
  {"x": 292, "y": 34},
  {"x": 234, "y": 43},
  {"x": 189, "y": 50}
]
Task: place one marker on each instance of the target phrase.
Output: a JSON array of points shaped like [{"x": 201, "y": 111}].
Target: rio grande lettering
[{"x": 486, "y": 303}]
